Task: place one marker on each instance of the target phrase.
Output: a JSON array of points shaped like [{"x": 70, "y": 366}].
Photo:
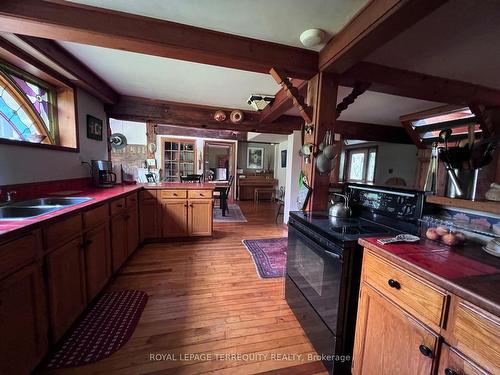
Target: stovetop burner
[{"x": 362, "y": 229}]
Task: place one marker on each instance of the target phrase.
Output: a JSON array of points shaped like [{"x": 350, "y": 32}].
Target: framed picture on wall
[
  {"x": 283, "y": 158},
  {"x": 94, "y": 128},
  {"x": 255, "y": 158}
]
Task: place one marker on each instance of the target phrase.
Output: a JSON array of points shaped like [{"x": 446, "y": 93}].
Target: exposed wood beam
[
  {"x": 415, "y": 137},
  {"x": 129, "y": 32},
  {"x": 197, "y": 116},
  {"x": 358, "y": 89},
  {"x": 371, "y": 132},
  {"x": 419, "y": 86},
  {"x": 298, "y": 101},
  {"x": 200, "y": 133},
  {"x": 377, "y": 23},
  {"x": 86, "y": 78},
  {"x": 282, "y": 102},
  {"x": 436, "y": 111}
]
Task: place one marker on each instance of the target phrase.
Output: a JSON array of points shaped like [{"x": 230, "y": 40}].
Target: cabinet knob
[
  {"x": 190, "y": 205},
  {"x": 425, "y": 350},
  {"x": 175, "y": 194},
  {"x": 449, "y": 371},
  {"x": 394, "y": 284}
]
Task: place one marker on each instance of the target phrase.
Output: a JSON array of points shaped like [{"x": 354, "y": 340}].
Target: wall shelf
[{"x": 484, "y": 206}]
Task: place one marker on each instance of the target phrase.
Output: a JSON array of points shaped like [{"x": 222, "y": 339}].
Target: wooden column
[
  {"x": 150, "y": 138},
  {"x": 322, "y": 96}
]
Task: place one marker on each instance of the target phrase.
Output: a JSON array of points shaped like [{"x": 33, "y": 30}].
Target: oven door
[{"x": 317, "y": 273}]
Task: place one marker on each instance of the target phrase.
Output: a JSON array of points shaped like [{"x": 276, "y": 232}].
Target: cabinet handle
[
  {"x": 394, "y": 284},
  {"x": 174, "y": 194},
  {"x": 190, "y": 205},
  {"x": 425, "y": 350},
  {"x": 449, "y": 371},
  {"x": 185, "y": 205}
]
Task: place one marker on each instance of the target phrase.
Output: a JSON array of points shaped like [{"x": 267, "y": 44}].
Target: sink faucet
[{"x": 9, "y": 196}]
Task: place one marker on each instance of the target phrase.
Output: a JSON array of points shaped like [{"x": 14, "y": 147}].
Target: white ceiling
[
  {"x": 377, "y": 108},
  {"x": 458, "y": 41},
  {"x": 280, "y": 21},
  {"x": 266, "y": 138},
  {"x": 155, "y": 77}
]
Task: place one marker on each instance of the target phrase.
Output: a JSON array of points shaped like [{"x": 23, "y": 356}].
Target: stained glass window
[{"x": 25, "y": 109}]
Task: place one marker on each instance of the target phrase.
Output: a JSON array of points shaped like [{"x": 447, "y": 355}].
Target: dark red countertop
[
  {"x": 98, "y": 195},
  {"x": 467, "y": 271}
]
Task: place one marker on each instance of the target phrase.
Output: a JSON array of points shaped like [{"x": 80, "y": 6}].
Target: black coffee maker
[{"x": 102, "y": 173}]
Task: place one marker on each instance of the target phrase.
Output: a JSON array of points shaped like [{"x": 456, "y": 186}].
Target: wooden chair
[
  {"x": 281, "y": 201},
  {"x": 217, "y": 194},
  {"x": 192, "y": 178}
]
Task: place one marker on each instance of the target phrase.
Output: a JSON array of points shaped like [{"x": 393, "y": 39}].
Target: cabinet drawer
[
  {"x": 476, "y": 334},
  {"x": 176, "y": 194},
  {"x": 62, "y": 231},
  {"x": 17, "y": 253},
  {"x": 147, "y": 194},
  {"x": 117, "y": 206},
  {"x": 413, "y": 294},
  {"x": 131, "y": 200},
  {"x": 95, "y": 216},
  {"x": 200, "y": 194}
]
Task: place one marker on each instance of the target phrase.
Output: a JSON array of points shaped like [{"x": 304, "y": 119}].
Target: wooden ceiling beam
[
  {"x": 196, "y": 116},
  {"x": 128, "y": 32},
  {"x": 400, "y": 82},
  {"x": 282, "y": 102},
  {"x": 85, "y": 78},
  {"x": 181, "y": 131},
  {"x": 371, "y": 132},
  {"x": 377, "y": 23}
]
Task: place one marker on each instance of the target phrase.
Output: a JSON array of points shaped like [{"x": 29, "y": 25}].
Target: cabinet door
[
  {"x": 451, "y": 362},
  {"x": 132, "y": 230},
  {"x": 118, "y": 241},
  {"x": 23, "y": 320},
  {"x": 148, "y": 219},
  {"x": 174, "y": 215},
  {"x": 200, "y": 217},
  {"x": 97, "y": 259},
  {"x": 66, "y": 286},
  {"x": 388, "y": 340}
]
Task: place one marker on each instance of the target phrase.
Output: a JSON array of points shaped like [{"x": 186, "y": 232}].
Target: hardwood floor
[{"x": 205, "y": 299}]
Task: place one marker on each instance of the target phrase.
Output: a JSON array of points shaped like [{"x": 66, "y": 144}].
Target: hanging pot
[{"x": 323, "y": 164}]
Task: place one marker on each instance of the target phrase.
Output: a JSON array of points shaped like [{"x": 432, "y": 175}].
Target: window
[
  {"x": 178, "y": 159},
  {"x": 361, "y": 164},
  {"x": 27, "y": 108}
]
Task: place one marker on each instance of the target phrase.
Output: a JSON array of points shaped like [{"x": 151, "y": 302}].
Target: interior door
[{"x": 174, "y": 218}]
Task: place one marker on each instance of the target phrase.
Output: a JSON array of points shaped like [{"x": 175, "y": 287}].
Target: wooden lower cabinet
[
  {"x": 132, "y": 220},
  {"x": 148, "y": 219},
  {"x": 174, "y": 218},
  {"x": 452, "y": 362},
  {"x": 66, "y": 285},
  {"x": 200, "y": 217},
  {"x": 118, "y": 241},
  {"x": 23, "y": 320},
  {"x": 390, "y": 341},
  {"x": 97, "y": 259}
]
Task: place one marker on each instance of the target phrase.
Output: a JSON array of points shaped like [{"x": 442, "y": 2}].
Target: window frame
[
  {"x": 29, "y": 68},
  {"x": 366, "y": 150}
]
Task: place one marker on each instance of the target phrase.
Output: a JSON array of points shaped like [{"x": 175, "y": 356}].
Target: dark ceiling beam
[
  {"x": 181, "y": 131},
  {"x": 196, "y": 116},
  {"x": 85, "y": 78},
  {"x": 419, "y": 86},
  {"x": 282, "y": 102},
  {"x": 128, "y": 32},
  {"x": 371, "y": 132},
  {"x": 377, "y": 23}
]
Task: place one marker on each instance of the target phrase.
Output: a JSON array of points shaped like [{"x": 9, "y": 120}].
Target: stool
[{"x": 258, "y": 191}]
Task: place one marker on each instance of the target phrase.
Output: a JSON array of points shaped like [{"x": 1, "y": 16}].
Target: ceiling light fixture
[{"x": 312, "y": 37}]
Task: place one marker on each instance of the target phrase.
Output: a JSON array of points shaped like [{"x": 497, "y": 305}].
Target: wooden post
[
  {"x": 150, "y": 138},
  {"x": 322, "y": 96}
]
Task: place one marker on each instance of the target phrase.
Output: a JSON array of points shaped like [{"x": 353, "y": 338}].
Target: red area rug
[
  {"x": 269, "y": 256},
  {"x": 103, "y": 329}
]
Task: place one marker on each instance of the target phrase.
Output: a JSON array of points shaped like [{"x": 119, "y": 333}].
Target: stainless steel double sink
[{"x": 37, "y": 207}]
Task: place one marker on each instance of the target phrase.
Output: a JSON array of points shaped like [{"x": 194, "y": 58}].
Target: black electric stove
[{"x": 324, "y": 264}]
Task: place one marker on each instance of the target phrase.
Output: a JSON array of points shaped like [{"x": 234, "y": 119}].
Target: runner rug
[
  {"x": 102, "y": 330},
  {"x": 269, "y": 256}
]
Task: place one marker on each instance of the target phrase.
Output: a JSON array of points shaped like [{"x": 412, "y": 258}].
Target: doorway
[{"x": 219, "y": 160}]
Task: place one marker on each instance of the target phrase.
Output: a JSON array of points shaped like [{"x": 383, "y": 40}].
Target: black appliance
[{"x": 324, "y": 264}]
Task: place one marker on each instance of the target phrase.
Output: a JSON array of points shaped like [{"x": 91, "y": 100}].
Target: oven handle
[{"x": 316, "y": 246}]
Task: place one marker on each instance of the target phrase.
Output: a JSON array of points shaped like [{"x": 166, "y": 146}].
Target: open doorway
[{"x": 219, "y": 161}]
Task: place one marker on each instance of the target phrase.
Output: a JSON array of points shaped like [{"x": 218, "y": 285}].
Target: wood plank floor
[{"x": 205, "y": 299}]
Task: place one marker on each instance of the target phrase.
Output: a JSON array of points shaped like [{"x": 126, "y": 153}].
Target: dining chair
[{"x": 192, "y": 178}]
